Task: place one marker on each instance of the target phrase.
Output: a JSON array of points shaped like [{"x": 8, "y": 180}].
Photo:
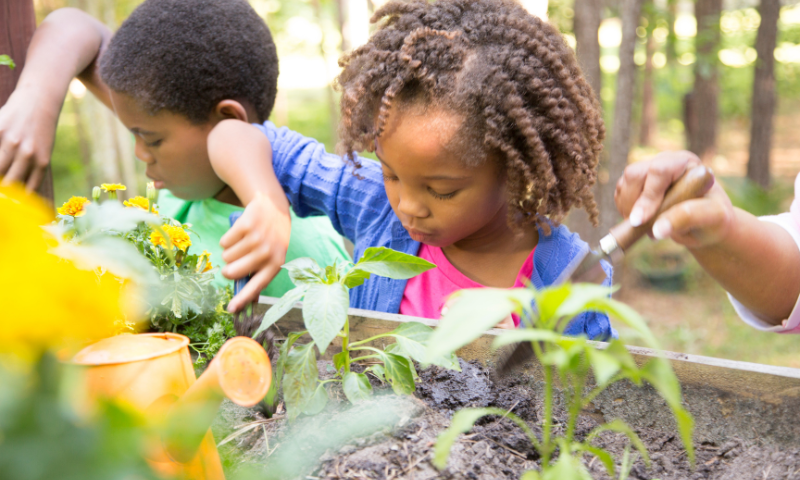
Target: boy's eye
[
  {"x": 154, "y": 144},
  {"x": 442, "y": 196},
  {"x": 388, "y": 178}
]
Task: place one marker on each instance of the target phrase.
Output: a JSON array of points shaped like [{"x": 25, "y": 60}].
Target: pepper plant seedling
[
  {"x": 570, "y": 360},
  {"x": 7, "y": 61},
  {"x": 326, "y": 295}
]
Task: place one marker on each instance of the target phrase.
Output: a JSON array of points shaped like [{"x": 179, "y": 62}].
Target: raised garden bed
[{"x": 745, "y": 427}]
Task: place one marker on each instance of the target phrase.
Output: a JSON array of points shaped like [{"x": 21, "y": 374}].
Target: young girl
[{"x": 486, "y": 135}]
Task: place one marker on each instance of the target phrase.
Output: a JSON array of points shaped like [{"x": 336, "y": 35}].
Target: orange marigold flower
[
  {"x": 177, "y": 236},
  {"x": 113, "y": 187},
  {"x": 206, "y": 256},
  {"x": 139, "y": 202},
  {"x": 75, "y": 207}
]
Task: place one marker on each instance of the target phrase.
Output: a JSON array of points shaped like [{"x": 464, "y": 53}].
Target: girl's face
[{"x": 439, "y": 200}]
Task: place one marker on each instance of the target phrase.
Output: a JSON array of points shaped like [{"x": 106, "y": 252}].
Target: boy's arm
[
  {"x": 256, "y": 244},
  {"x": 65, "y": 45},
  {"x": 757, "y": 262}
]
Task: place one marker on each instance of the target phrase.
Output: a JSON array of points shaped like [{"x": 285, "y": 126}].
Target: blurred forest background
[{"x": 719, "y": 77}]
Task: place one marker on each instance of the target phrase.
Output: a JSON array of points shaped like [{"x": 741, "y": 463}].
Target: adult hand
[
  {"x": 27, "y": 133},
  {"x": 256, "y": 244},
  {"x": 693, "y": 223}
]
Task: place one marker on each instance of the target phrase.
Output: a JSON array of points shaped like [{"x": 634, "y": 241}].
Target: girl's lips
[
  {"x": 159, "y": 184},
  {"x": 418, "y": 236}
]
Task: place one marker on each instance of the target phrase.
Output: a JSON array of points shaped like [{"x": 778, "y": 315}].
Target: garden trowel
[{"x": 587, "y": 267}]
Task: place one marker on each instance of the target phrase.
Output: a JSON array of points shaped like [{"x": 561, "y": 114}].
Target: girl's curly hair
[{"x": 508, "y": 74}]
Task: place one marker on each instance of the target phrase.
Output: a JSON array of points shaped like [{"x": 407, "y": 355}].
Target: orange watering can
[{"x": 153, "y": 373}]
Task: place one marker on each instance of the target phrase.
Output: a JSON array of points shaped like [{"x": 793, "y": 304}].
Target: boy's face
[{"x": 174, "y": 149}]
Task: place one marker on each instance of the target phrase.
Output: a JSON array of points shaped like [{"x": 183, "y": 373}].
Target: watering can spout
[{"x": 240, "y": 371}]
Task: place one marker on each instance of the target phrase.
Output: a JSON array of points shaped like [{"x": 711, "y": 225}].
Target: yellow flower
[
  {"x": 75, "y": 206},
  {"x": 55, "y": 304},
  {"x": 112, "y": 187},
  {"x": 177, "y": 236},
  {"x": 205, "y": 256},
  {"x": 139, "y": 202}
]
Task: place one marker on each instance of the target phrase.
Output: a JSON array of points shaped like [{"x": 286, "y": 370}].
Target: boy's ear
[{"x": 230, "y": 109}]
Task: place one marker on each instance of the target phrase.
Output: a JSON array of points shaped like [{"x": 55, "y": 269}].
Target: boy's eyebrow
[{"x": 139, "y": 131}]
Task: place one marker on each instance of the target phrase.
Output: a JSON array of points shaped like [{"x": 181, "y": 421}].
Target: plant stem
[
  {"x": 363, "y": 358},
  {"x": 576, "y": 402},
  {"x": 346, "y": 345},
  {"x": 370, "y": 339},
  {"x": 548, "y": 408}
]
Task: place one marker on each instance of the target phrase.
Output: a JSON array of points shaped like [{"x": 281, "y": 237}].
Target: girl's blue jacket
[{"x": 319, "y": 183}]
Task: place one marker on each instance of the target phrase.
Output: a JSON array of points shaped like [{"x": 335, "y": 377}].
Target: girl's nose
[
  {"x": 410, "y": 206},
  {"x": 142, "y": 152}
]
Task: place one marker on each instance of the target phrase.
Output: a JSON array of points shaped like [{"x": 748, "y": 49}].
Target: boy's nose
[{"x": 142, "y": 152}]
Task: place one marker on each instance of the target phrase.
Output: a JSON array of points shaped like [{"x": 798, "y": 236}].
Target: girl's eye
[
  {"x": 442, "y": 196},
  {"x": 389, "y": 178},
  {"x": 154, "y": 144}
]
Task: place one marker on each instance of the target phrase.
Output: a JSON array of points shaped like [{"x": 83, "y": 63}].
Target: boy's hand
[
  {"x": 27, "y": 132},
  {"x": 256, "y": 244},
  {"x": 694, "y": 223}
]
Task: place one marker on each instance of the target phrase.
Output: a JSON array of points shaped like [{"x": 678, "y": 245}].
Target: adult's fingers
[
  {"x": 19, "y": 168},
  {"x": 8, "y": 149},
  {"x": 34, "y": 179},
  {"x": 250, "y": 292},
  {"x": 694, "y": 222}
]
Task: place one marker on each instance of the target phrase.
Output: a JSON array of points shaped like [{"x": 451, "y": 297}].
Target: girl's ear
[{"x": 230, "y": 109}]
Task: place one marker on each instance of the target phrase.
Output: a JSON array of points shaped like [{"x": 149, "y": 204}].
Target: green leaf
[
  {"x": 325, "y": 312},
  {"x": 619, "y": 426},
  {"x": 378, "y": 371},
  {"x": 386, "y": 263},
  {"x": 581, "y": 295},
  {"x": 474, "y": 312},
  {"x": 524, "y": 335},
  {"x": 339, "y": 360},
  {"x": 414, "y": 331},
  {"x": 283, "y": 353},
  {"x": 412, "y": 338},
  {"x": 567, "y": 467},
  {"x": 300, "y": 379},
  {"x": 605, "y": 366},
  {"x": 7, "y": 61},
  {"x": 317, "y": 401},
  {"x": 281, "y": 308},
  {"x": 304, "y": 271},
  {"x": 398, "y": 373},
  {"x": 356, "y": 387},
  {"x": 604, "y": 456},
  {"x": 462, "y": 422},
  {"x": 530, "y": 475},
  {"x": 628, "y": 316},
  {"x": 659, "y": 373}
]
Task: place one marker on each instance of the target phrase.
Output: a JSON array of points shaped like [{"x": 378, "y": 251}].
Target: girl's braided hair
[{"x": 508, "y": 74}]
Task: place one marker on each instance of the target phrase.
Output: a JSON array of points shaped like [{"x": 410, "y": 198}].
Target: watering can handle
[{"x": 238, "y": 284}]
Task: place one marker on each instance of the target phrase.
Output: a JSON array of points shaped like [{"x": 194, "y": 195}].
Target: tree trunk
[
  {"x": 623, "y": 107},
  {"x": 672, "y": 37},
  {"x": 763, "y": 107},
  {"x": 19, "y": 20},
  {"x": 333, "y": 110},
  {"x": 647, "y": 129},
  {"x": 586, "y": 23},
  {"x": 703, "y": 138}
]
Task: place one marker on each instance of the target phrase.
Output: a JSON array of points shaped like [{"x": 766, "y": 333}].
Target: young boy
[{"x": 173, "y": 71}]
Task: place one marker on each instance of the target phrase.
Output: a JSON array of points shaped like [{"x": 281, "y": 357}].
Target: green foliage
[
  {"x": 43, "y": 436},
  {"x": 326, "y": 300},
  {"x": 749, "y": 196},
  {"x": 568, "y": 360},
  {"x": 174, "y": 283},
  {"x": 5, "y": 60}
]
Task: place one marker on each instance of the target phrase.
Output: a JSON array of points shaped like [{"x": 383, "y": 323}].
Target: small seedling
[
  {"x": 5, "y": 60},
  {"x": 326, "y": 294},
  {"x": 570, "y": 360}
]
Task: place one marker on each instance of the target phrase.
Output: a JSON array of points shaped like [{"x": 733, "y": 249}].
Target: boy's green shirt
[{"x": 311, "y": 237}]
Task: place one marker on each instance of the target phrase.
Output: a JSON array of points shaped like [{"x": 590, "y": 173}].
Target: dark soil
[{"x": 393, "y": 437}]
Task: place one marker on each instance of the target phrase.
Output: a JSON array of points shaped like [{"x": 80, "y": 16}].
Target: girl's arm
[
  {"x": 65, "y": 45},
  {"x": 757, "y": 262}
]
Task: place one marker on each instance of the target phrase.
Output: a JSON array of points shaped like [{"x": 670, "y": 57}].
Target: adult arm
[
  {"x": 66, "y": 45},
  {"x": 757, "y": 262}
]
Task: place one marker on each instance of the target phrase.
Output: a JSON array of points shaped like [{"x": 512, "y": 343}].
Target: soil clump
[{"x": 392, "y": 437}]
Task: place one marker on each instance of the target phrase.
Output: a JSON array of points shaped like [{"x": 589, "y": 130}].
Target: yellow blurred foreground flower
[
  {"x": 48, "y": 302},
  {"x": 177, "y": 236},
  {"x": 204, "y": 257},
  {"x": 112, "y": 187},
  {"x": 139, "y": 202},
  {"x": 75, "y": 206}
]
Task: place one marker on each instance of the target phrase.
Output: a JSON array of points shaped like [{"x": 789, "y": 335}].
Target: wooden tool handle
[{"x": 693, "y": 184}]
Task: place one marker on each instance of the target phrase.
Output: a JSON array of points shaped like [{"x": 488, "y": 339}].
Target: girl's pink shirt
[{"x": 426, "y": 294}]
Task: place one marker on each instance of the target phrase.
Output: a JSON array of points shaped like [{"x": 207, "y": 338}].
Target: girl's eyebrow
[{"x": 431, "y": 177}]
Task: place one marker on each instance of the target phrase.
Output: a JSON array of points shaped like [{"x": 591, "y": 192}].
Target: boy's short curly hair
[
  {"x": 186, "y": 56},
  {"x": 508, "y": 74}
]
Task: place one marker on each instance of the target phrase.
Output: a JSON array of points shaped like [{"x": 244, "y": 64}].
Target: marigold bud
[{"x": 96, "y": 194}]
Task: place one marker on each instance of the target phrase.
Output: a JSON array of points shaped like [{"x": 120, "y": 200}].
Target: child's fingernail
[
  {"x": 662, "y": 229},
  {"x": 636, "y": 216}
]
